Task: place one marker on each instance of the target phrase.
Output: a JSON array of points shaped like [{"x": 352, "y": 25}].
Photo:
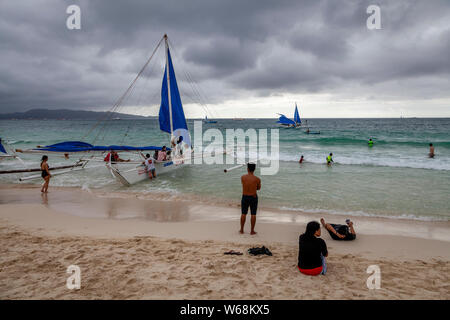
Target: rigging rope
[
  {"x": 119, "y": 101},
  {"x": 194, "y": 86}
]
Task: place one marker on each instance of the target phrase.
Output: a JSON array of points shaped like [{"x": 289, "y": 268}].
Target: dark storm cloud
[{"x": 244, "y": 48}]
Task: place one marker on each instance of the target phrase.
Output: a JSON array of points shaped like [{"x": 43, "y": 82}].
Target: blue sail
[
  {"x": 285, "y": 120},
  {"x": 297, "y": 116},
  {"x": 2, "y": 149},
  {"x": 80, "y": 146},
  {"x": 180, "y": 128}
]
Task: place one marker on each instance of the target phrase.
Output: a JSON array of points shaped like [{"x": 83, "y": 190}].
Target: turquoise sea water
[{"x": 395, "y": 178}]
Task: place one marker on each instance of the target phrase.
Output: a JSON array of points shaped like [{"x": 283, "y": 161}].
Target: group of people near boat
[
  {"x": 113, "y": 156},
  {"x": 149, "y": 162},
  {"x": 312, "y": 249}
]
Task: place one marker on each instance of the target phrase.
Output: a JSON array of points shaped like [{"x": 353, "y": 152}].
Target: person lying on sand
[
  {"x": 312, "y": 251},
  {"x": 340, "y": 231}
]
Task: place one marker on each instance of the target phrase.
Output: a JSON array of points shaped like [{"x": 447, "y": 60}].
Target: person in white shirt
[{"x": 150, "y": 166}]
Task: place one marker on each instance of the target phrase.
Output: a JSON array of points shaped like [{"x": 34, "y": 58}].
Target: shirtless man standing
[
  {"x": 250, "y": 184},
  {"x": 431, "y": 154}
]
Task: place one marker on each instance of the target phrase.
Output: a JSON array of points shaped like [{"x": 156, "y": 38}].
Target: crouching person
[
  {"x": 150, "y": 166},
  {"x": 312, "y": 251}
]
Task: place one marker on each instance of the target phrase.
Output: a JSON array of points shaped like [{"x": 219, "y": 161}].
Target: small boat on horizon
[{"x": 206, "y": 120}]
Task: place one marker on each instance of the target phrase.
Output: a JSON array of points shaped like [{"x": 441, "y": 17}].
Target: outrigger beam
[
  {"x": 38, "y": 169},
  {"x": 53, "y": 174}
]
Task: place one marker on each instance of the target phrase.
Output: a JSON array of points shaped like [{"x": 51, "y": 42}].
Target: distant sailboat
[
  {"x": 285, "y": 122},
  {"x": 206, "y": 120},
  {"x": 297, "y": 119}
]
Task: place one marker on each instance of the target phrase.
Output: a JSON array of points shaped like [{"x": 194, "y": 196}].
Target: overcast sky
[{"x": 243, "y": 58}]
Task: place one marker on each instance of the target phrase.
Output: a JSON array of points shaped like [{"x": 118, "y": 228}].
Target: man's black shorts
[{"x": 249, "y": 201}]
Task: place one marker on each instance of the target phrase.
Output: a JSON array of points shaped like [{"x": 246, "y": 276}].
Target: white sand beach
[{"x": 175, "y": 251}]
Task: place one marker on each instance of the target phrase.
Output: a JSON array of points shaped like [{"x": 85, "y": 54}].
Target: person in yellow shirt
[{"x": 330, "y": 159}]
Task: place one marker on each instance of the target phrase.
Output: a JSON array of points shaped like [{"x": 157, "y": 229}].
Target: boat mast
[{"x": 168, "y": 86}]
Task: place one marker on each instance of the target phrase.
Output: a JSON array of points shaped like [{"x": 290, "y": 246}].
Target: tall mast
[{"x": 168, "y": 85}]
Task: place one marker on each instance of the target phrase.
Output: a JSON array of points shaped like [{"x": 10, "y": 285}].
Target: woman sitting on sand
[
  {"x": 312, "y": 251},
  {"x": 340, "y": 231}
]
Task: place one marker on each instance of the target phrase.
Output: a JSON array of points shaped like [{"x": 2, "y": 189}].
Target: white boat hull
[
  {"x": 132, "y": 174},
  {"x": 289, "y": 126}
]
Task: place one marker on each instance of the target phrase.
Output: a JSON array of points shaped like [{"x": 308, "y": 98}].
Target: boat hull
[
  {"x": 289, "y": 126},
  {"x": 132, "y": 174}
]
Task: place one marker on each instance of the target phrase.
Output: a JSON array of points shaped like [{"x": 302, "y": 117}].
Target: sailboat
[
  {"x": 285, "y": 122},
  {"x": 3, "y": 153},
  {"x": 206, "y": 120},
  {"x": 171, "y": 120},
  {"x": 297, "y": 120}
]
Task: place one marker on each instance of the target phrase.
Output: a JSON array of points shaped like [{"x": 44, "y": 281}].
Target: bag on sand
[{"x": 257, "y": 251}]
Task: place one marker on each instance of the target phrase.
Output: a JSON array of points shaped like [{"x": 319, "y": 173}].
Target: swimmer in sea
[
  {"x": 330, "y": 159},
  {"x": 431, "y": 154}
]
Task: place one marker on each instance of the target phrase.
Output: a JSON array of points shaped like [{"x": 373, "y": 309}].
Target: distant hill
[{"x": 65, "y": 114}]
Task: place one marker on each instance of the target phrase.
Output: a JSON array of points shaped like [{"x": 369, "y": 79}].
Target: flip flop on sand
[{"x": 233, "y": 252}]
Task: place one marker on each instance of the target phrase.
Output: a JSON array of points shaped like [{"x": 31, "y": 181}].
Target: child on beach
[
  {"x": 312, "y": 251},
  {"x": 340, "y": 231}
]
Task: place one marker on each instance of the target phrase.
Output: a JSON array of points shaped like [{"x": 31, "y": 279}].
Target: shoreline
[
  {"x": 74, "y": 201},
  {"x": 226, "y": 202}
]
